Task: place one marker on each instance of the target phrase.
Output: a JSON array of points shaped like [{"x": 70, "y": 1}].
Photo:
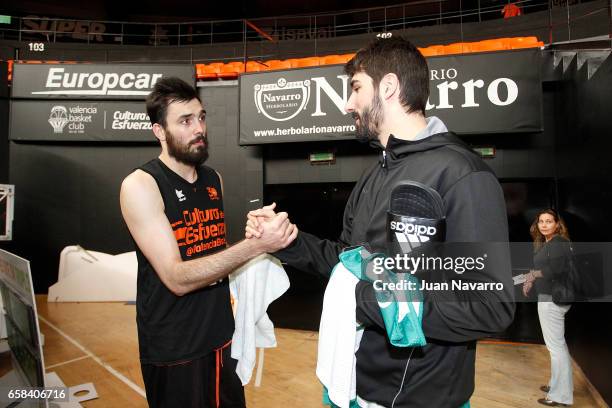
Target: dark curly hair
[
  {"x": 165, "y": 92},
  {"x": 398, "y": 56}
]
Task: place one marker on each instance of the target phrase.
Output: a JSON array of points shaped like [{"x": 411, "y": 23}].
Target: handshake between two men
[{"x": 274, "y": 228}]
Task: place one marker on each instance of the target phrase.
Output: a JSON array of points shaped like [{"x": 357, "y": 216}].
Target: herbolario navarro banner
[
  {"x": 80, "y": 121},
  {"x": 498, "y": 92},
  {"x": 92, "y": 81}
]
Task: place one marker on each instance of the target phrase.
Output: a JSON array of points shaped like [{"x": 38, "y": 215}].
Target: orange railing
[
  {"x": 11, "y": 62},
  {"x": 231, "y": 70},
  {"x": 218, "y": 70}
]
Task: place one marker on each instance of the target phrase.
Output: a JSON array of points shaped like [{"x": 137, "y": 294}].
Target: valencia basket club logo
[
  {"x": 282, "y": 100},
  {"x": 212, "y": 193},
  {"x": 58, "y": 118}
]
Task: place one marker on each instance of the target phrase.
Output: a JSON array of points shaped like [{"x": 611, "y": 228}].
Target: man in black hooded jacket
[{"x": 390, "y": 85}]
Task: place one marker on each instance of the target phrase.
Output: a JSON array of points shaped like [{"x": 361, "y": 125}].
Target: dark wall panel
[
  {"x": 289, "y": 163},
  {"x": 67, "y": 195},
  {"x": 585, "y": 191},
  {"x": 4, "y": 122},
  {"x": 523, "y": 156},
  {"x": 316, "y": 208},
  {"x": 4, "y": 147}
]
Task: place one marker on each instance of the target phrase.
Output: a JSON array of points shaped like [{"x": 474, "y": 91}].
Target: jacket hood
[{"x": 434, "y": 136}]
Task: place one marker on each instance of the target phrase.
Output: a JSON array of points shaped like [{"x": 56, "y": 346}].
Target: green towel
[{"x": 404, "y": 332}]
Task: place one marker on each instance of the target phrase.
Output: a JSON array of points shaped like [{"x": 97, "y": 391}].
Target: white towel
[
  {"x": 254, "y": 286},
  {"x": 339, "y": 338}
]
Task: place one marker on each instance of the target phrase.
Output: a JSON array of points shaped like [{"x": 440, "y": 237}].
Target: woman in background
[{"x": 551, "y": 254}]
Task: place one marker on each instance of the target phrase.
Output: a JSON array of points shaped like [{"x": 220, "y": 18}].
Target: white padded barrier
[{"x": 90, "y": 276}]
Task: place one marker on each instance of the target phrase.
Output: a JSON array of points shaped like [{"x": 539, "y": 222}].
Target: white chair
[{"x": 90, "y": 276}]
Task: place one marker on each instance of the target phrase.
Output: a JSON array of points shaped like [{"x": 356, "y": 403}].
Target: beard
[
  {"x": 369, "y": 121},
  {"x": 187, "y": 154}
]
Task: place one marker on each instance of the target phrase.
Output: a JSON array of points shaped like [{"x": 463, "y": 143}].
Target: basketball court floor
[{"x": 97, "y": 342}]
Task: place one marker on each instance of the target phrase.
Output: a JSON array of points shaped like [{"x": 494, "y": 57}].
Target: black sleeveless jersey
[{"x": 177, "y": 328}]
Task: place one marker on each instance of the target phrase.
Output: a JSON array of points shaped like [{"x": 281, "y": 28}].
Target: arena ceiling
[{"x": 180, "y": 10}]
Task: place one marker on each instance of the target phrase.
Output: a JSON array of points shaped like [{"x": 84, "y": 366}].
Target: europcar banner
[
  {"x": 92, "y": 81},
  {"x": 80, "y": 121},
  {"x": 497, "y": 92}
]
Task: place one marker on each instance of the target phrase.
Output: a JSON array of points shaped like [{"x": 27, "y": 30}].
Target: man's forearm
[
  {"x": 311, "y": 254},
  {"x": 191, "y": 275}
]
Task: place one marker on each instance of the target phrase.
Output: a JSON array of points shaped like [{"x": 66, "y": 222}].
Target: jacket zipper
[{"x": 380, "y": 185}]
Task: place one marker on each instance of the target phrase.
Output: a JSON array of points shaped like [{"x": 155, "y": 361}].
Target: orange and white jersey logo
[
  {"x": 200, "y": 230},
  {"x": 212, "y": 193}
]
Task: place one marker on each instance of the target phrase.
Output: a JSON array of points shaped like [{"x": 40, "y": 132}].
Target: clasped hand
[{"x": 274, "y": 231}]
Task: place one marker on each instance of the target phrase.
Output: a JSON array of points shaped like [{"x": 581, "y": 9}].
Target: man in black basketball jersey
[{"x": 173, "y": 207}]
